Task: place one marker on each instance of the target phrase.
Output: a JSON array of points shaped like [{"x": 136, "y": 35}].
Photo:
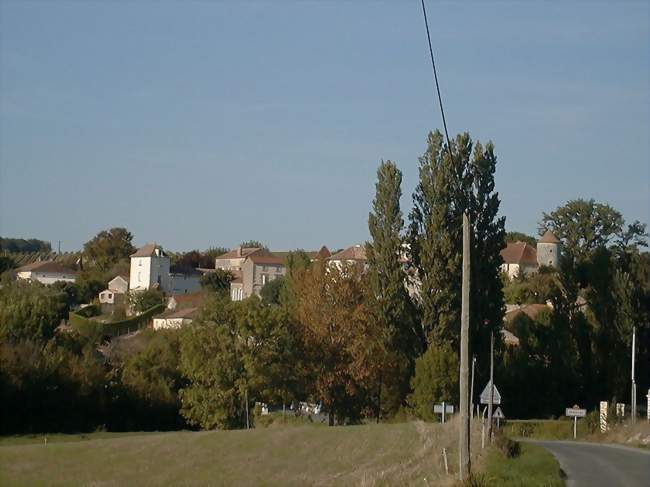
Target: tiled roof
[
  {"x": 356, "y": 252},
  {"x": 519, "y": 253},
  {"x": 531, "y": 310},
  {"x": 242, "y": 252},
  {"x": 192, "y": 300},
  {"x": 266, "y": 259},
  {"x": 46, "y": 266},
  {"x": 181, "y": 313},
  {"x": 323, "y": 253},
  {"x": 509, "y": 338},
  {"x": 549, "y": 237},
  {"x": 149, "y": 250}
]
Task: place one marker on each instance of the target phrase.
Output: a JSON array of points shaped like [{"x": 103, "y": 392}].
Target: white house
[
  {"x": 175, "y": 319},
  {"x": 46, "y": 272},
  {"x": 115, "y": 293},
  {"x": 151, "y": 266}
]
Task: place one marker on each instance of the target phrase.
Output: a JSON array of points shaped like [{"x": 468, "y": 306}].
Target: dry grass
[
  {"x": 366, "y": 455},
  {"x": 637, "y": 435}
]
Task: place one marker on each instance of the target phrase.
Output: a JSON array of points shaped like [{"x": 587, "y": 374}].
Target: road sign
[
  {"x": 443, "y": 409},
  {"x": 485, "y": 395},
  {"x": 449, "y": 408},
  {"x": 498, "y": 414},
  {"x": 576, "y": 412}
]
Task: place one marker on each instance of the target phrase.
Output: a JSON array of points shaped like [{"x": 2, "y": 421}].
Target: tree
[
  {"x": 447, "y": 188},
  {"x": 30, "y": 311},
  {"x": 253, "y": 244},
  {"x": 332, "y": 311},
  {"x": 141, "y": 301},
  {"x": 6, "y": 263},
  {"x": 394, "y": 312},
  {"x": 108, "y": 247},
  {"x": 521, "y": 237},
  {"x": 21, "y": 245},
  {"x": 585, "y": 225},
  {"x": 217, "y": 281},
  {"x": 271, "y": 293},
  {"x": 435, "y": 380}
]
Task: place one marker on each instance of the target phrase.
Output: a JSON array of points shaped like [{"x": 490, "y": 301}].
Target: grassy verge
[
  {"x": 384, "y": 454},
  {"x": 533, "y": 467}
]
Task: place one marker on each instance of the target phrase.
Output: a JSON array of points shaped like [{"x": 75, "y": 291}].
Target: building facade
[{"x": 46, "y": 272}]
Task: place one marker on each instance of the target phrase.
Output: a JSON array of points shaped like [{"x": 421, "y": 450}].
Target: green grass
[
  {"x": 534, "y": 467},
  {"x": 385, "y": 454}
]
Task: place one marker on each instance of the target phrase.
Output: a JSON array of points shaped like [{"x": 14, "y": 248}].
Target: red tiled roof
[
  {"x": 47, "y": 266},
  {"x": 323, "y": 253},
  {"x": 193, "y": 300},
  {"x": 181, "y": 313},
  {"x": 242, "y": 252},
  {"x": 356, "y": 252},
  {"x": 531, "y": 310},
  {"x": 148, "y": 250},
  {"x": 549, "y": 237},
  {"x": 266, "y": 259},
  {"x": 519, "y": 253}
]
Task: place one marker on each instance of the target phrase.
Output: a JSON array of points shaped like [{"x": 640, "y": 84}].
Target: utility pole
[
  {"x": 491, "y": 386},
  {"x": 471, "y": 391},
  {"x": 464, "y": 357},
  {"x": 633, "y": 404}
]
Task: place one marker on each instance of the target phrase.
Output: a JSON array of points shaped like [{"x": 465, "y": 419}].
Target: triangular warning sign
[
  {"x": 498, "y": 414},
  {"x": 485, "y": 395}
]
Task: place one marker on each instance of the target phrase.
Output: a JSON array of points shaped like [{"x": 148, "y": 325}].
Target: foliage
[
  {"x": 6, "y": 263},
  {"x": 30, "y": 310},
  {"x": 435, "y": 379},
  {"x": 196, "y": 258},
  {"x": 271, "y": 293},
  {"x": 21, "y": 245},
  {"x": 108, "y": 247},
  {"x": 538, "y": 287},
  {"x": 217, "y": 281},
  {"x": 447, "y": 188},
  {"x": 521, "y": 237},
  {"x": 253, "y": 244},
  {"x": 400, "y": 337},
  {"x": 144, "y": 300}
]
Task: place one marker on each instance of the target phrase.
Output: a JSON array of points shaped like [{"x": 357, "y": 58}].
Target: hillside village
[{"x": 252, "y": 268}]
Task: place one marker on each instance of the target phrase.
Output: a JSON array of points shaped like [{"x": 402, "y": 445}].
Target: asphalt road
[{"x": 595, "y": 465}]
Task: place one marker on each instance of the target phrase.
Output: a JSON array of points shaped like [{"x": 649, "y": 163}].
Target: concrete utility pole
[
  {"x": 491, "y": 386},
  {"x": 464, "y": 357},
  {"x": 633, "y": 403}
]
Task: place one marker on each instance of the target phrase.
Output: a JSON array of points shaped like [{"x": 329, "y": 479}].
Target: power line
[{"x": 435, "y": 77}]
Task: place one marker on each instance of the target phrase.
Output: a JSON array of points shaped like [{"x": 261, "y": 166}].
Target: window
[
  {"x": 110, "y": 296},
  {"x": 265, "y": 279}
]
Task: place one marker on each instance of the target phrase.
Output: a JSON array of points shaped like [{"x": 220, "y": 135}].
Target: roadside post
[
  {"x": 648, "y": 409},
  {"x": 603, "y": 416},
  {"x": 490, "y": 395},
  {"x": 443, "y": 409},
  {"x": 575, "y": 412},
  {"x": 620, "y": 410},
  {"x": 498, "y": 414}
]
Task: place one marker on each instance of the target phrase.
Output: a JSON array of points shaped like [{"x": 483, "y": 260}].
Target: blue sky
[{"x": 206, "y": 123}]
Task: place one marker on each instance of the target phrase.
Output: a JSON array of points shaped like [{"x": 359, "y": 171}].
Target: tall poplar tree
[
  {"x": 446, "y": 189},
  {"x": 393, "y": 311}
]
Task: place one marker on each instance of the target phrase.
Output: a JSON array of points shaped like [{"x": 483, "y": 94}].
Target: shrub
[{"x": 510, "y": 448}]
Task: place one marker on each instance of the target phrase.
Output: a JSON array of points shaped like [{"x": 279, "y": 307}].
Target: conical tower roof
[{"x": 549, "y": 237}]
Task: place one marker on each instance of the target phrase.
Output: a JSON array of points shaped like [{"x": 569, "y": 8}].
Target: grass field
[{"x": 385, "y": 454}]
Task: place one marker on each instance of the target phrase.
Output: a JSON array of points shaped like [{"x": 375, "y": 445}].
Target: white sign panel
[
  {"x": 576, "y": 412},
  {"x": 449, "y": 408},
  {"x": 498, "y": 414},
  {"x": 485, "y": 395}
]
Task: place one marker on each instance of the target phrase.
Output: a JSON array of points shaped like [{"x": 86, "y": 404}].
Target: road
[{"x": 595, "y": 465}]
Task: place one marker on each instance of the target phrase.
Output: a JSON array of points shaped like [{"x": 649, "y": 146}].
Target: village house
[
  {"x": 352, "y": 255},
  {"x": 115, "y": 294},
  {"x": 151, "y": 267},
  {"x": 175, "y": 319},
  {"x": 252, "y": 268},
  {"x": 46, "y": 272},
  {"x": 521, "y": 258}
]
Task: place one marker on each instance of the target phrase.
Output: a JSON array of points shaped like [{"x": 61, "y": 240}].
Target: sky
[{"x": 197, "y": 124}]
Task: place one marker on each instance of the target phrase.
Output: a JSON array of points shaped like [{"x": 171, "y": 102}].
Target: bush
[{"x": 509, "y": 448}]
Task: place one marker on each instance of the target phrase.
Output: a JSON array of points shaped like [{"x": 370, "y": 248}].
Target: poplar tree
[
  {"x": 394, "y": 313},
  {"x": 446, "y": 189}
]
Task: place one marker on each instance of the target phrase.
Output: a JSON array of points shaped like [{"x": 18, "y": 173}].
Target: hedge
[{"x": 86, "y": 326}]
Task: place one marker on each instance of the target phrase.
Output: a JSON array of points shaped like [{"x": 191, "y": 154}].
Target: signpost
[
  {"x": 443, "y": 409},
  {"x": 575, "y": 412},
  {"x": 498, "y": 414},
  {"x": 603, "y": 416},
  {"x": 485, "y": 395}
]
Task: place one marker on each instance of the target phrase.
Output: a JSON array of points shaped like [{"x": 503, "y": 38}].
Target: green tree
[
  {"x": 447, "y": 188},
  {"x": 521, "y": 237},
  {"x": 435, "y": 380},
  {"x": 217, "y": 281},
  {"x": 6, "y": 263},
  {"x": 272, "y": 291},
  {"x": 253, "y": 244},
  {"x": 394, "y": 311},
  {"x": 30, "y": 311},
  {"x": 109, "y": 247},
  {"x": 144, "y": 300}
]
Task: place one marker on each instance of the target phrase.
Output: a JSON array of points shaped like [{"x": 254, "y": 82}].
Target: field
[{"x": 385, "y": 454}]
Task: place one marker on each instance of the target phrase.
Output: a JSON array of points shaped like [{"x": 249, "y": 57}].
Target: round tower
[{"x": 548, "y": 250}]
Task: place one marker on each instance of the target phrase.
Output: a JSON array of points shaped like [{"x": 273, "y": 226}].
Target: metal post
[
  {"x": 464, "y": 469},
  {"x": 471, "y": 391},
  {"x": 491, "y": 386},
  {"x": 443, "y": 412},
  {"x": 633, "y": 408},
  {"x": 575, "y": 427}
]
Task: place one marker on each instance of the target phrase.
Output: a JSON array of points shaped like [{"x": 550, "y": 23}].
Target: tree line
[{"x": 368, "y": 342}]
